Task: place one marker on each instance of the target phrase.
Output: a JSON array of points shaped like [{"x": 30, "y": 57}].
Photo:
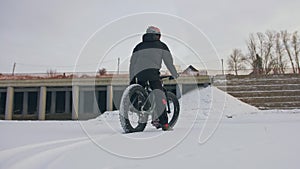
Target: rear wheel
[
  {"x": 173, "y": 113},
  {"x": 131, "y": 117}
]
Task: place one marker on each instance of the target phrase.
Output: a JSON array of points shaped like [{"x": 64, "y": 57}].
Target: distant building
[
  {"x": 164, "y": 70},
  {"x": 191, "y": 70}
]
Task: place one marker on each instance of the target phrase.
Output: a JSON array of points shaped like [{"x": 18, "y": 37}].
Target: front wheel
[
  {"x": 131, "y": 117},
  {"x": 173, "y": 109}
]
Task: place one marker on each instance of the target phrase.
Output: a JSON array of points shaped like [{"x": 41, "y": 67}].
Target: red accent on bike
[{"x": 164, "y": 101}]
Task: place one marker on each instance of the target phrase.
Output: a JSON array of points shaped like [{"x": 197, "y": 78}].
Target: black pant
[{"x": 159, "y": 98}]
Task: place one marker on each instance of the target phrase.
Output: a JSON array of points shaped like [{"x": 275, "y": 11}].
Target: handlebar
[{"x": 166, "y": 76}]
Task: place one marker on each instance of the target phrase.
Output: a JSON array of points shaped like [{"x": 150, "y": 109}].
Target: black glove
[{"x": 174, "y": 77}]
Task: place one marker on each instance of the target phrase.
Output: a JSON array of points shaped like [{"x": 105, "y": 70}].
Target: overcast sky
[{"x": 58, "y": 34}]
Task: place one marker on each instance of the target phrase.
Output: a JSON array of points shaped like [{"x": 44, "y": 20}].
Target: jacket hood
[{"x": 149, "y": 37}]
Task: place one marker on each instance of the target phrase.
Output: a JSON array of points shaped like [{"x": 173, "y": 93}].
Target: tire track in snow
[
  {"x": 13, "y": 155},
  {"x": 41, "y": 154}
]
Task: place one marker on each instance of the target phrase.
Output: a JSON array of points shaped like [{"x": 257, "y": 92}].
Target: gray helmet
[{"x": 153, "y": 29}]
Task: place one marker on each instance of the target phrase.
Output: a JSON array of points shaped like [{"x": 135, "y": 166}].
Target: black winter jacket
[{"x": 148, "y": 55}]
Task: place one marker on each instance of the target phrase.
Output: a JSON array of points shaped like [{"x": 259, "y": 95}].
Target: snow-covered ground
[{"x": 215, "y": 130}]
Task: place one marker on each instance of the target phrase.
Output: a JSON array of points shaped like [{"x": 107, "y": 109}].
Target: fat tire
[
  {"x": 126, "y": 101},
  {"x": 172, "y": 98}
]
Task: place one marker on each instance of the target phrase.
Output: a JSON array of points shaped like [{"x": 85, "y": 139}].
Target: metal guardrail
[{"x": 93, "y": 81}]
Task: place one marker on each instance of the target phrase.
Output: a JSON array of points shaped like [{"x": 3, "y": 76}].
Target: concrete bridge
[{"x": 72, "y": 98}]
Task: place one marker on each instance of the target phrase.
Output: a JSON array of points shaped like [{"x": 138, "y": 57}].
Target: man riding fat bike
[{"x": 145, "y": 65}]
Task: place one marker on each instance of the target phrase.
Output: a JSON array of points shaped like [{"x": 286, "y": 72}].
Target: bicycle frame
[
  {"x": 148, "y": 89},
  {"x": 138, "y": 100}
]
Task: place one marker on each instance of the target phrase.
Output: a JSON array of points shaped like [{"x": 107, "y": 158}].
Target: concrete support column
[
  {"x": 109, "y": 98},
  {"x": 75, "y": 102},
  {"x": 53, "y": 102},
  {"x": 67, "y": 101},
  {"x": 81, "y": 102},
  {"x": 42, "y": 103},
  {"x": 25, "y": 103},
  {"x": 96, "y": 107},
  {"x": 9, "y": 103},
  {"x": 179, "y": 90}
]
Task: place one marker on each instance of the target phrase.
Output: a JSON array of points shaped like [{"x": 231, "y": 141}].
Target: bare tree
[
  {"x": 251, "y": 44},
  {"x": 51, "y": 73},
  {"x": 296, "y": 48},
  {"x": 265, "y": 45},
  {"x": 102, "y": 71},
  {"x": 236, "y": 61},
  {"x": 273, "y": 51},
  {"x": 261, "y": 42},
  {"x": 279, "y": 50},
  {"x": 269, "y": 60},
  {"x": 286, "y": 43},
  {"x": 257, "y": 65}
]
